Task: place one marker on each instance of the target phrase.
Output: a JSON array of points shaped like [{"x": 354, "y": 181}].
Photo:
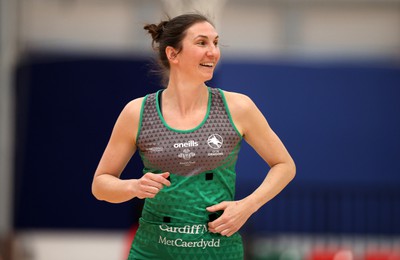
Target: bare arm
[
  {"x": 259, "y": 135},
  {"x": 107, "y": 184}
]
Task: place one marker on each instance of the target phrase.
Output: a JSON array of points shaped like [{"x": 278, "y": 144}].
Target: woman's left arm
[{"x": 258, "y": 134}]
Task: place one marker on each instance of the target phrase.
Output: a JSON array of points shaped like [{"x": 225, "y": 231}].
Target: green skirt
[{"x": 183, "y": 241}]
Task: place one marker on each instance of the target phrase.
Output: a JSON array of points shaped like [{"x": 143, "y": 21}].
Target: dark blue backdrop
[{"x": 340, "y": 122}]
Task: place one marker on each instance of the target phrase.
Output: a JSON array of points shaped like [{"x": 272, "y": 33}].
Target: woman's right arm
[{"x": 122, "y": 145}]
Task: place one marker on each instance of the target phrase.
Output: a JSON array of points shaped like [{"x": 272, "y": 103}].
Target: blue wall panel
[
  {"x": 67, "y": 107},
  {"x": 340, "y": 122}
]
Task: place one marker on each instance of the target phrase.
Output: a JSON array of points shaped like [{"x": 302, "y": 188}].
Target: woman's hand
[
  {"x": 235, "y": 215},
  {"x": 150, "y": 184}
]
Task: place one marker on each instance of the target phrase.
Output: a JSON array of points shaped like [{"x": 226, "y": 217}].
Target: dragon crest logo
[{"x": 215, "y": 141}]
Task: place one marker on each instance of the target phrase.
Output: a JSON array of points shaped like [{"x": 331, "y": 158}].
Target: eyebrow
[{"x": 205, "y": 36}]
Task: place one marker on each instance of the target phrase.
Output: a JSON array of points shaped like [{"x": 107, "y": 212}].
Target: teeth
[{"x": 208, "y": 64}]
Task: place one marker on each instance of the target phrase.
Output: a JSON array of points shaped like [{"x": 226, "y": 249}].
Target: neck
[{"x": 185, "y": 98}]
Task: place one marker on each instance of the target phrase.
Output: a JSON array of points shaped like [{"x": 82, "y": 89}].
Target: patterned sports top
[{"x": 201, "y": 161}]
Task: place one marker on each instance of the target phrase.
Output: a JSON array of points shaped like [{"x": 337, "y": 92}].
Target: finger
[
  {"x": 212, "y": 231},
  {"x": 165, "y": 179},
  {"x": 152, "y": 190},
  {"x": 161, "y": 178},
  {"x": 217, "y": 207},
  {"x": 232, "y": 232},
  {"x": 156, "y": 184},
  {"x": 165, "y": 174},
  {"x": 149, "y": 195},
  {"x": 156, "y": 180},
  {"x": 146, "y": 183},
  {"x": 228, "y": 231},
  {"x": 224, "y": 232},
  {"x": 146, "y": 194},
  {"x": 217, "y": 225},
  {"x": 160, "y": 182}
]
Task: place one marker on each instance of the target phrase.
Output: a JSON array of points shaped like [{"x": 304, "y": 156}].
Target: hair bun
[{"x": 155, "y": 30}]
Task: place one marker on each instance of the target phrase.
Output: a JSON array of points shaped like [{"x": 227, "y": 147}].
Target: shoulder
[
  {"x": 134, "y": 106},
  {"x": 127, "y": 124},
  {"x": 132, "y": 109},
  {"x": 238, "y": 103},
  {"x": 130, "y": 114},
  {"x": 242, "y": 110}
]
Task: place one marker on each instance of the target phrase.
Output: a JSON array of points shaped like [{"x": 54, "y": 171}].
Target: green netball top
[{"x": 201, "y": 161}]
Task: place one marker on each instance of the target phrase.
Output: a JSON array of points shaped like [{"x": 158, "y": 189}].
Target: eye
[
  {"x": 202, "y": 43},
  {"x": 216, "y": 43}
]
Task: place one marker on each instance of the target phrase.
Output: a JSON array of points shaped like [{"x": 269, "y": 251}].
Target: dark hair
[{"x": 171, "y": 33}]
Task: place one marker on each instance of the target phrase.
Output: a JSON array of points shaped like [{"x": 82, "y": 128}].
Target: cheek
[{"x": 195, "y": 56}]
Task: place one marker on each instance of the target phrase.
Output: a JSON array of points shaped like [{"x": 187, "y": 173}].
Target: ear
[{"x": 171, "y": 54}]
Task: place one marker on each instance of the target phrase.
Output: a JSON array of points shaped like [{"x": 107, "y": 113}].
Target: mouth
[{"x": 208, "y": 64}]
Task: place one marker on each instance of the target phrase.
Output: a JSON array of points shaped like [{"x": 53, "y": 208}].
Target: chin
[{"x": 209, "y": 77}]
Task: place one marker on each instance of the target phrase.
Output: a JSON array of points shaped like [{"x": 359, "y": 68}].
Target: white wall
[
  {"x": 86, "y": 26},
  {"x": 358, "y": 31},
  {"x": 76, "y": 245},
  {"x": 250, "y": 28}
]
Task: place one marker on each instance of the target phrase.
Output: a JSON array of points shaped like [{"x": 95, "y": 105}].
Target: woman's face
[{"x": 200, "y": 52}]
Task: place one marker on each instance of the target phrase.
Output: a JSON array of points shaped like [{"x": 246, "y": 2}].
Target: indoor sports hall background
[{"x": 326, "y": 74}]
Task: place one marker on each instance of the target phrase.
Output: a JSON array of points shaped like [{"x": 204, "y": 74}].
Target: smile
[{"x": 207, "y": 64}]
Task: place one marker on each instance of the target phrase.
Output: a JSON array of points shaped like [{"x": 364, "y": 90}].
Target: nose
[{"x": 212, "y": 51}]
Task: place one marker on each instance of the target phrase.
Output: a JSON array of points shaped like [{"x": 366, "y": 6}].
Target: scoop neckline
[{"x": 183, "y": 130}]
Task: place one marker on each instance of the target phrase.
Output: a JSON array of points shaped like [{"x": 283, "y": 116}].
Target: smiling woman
[{"x": 188, "y": 136}]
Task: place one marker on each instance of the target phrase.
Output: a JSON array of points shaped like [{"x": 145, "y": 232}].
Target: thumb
[{"x": 217, "y": 207}]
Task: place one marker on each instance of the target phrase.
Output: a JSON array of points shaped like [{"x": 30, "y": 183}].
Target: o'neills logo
[{"x": 190, "y": 143}]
